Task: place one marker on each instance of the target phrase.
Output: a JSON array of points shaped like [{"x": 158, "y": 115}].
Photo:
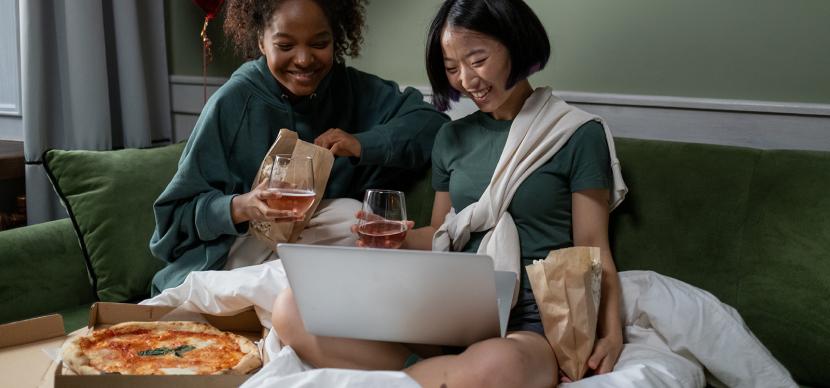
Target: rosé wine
[
  {"x": 294, "y": 200},
  {"x": 382, "y": 234}
]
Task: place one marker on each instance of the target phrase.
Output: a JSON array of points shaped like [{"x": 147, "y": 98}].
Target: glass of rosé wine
[
  {"x": 293, "y": 179},
  {"x": 383, "y": 224}
]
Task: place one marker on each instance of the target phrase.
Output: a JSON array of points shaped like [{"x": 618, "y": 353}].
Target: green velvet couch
[{"x": 750, "y": 226}]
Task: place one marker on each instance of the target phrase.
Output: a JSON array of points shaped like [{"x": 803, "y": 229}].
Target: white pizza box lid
[{"x": 25, "y": 363}]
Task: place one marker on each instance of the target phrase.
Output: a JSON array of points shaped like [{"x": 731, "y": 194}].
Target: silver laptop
[{"x": 423, "y": 297}]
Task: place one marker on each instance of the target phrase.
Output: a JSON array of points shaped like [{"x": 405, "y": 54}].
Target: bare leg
[
  {"x": 523, "y": 359},
  {"x": 331, "y": 352}
]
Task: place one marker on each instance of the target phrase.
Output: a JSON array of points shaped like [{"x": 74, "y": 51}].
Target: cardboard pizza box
[
  {"x": 25, "y": 346},
  {"x": 24, "y": 361}
]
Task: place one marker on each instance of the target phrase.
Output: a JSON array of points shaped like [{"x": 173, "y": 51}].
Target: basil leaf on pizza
[
  {"x": 155, "y": 352},
  {"x": 182, "y": 349},
  {"x": 162, "y": 351}
]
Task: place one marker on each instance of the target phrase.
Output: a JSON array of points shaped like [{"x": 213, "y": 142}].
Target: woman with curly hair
[{"x": 295, "y": 78}]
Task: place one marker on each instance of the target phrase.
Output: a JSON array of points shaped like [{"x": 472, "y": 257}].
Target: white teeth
[{"x": 480, "y": 94}]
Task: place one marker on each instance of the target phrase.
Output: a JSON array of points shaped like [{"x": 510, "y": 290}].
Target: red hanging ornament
[{"x": 211, "y": 8}]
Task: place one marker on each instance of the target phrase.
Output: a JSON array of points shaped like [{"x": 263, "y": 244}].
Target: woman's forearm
[
  {"x": 609, "y": 321},
  {"x": 420, "y": 238}
]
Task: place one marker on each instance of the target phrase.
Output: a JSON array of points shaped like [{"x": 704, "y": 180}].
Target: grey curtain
[{"x": 94, "y": 77}]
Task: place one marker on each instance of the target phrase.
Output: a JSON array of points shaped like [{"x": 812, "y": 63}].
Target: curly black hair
[{"x": 245, "y": 22}]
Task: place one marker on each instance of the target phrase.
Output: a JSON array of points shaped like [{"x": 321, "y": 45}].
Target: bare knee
[
  {"x": 286, "y": 319},
  {"x": 499, "y": 365},
  {"x": 496, "y": 363}
]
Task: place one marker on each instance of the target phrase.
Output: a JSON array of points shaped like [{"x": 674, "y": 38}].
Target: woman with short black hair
[
  {"x": 513, "y": 25},
  {"x": 527, "y": 173}
]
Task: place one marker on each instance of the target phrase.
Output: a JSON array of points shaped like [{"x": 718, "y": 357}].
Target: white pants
[{"x": 330, "y": 225}]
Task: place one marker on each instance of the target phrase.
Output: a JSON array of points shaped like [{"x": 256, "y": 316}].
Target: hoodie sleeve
[
  {"x": 396, "y": 128},
  {"x": 195, "y": 206}
]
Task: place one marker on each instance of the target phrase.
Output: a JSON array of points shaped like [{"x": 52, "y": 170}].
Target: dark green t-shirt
[{"x": 465, "y": 155}]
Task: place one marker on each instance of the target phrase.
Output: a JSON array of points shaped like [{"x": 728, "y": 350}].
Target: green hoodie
[{"x": 194, "y": 230}]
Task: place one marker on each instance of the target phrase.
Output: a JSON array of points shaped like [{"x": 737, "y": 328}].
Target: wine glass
[
  {"x": 292, "y": 177},
  {"x": 383, "y": 224}
]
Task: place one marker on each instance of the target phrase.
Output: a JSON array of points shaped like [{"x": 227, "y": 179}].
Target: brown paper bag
[
  {"x": 322, "y": 160},
  {"x": 566, "y": 286}
]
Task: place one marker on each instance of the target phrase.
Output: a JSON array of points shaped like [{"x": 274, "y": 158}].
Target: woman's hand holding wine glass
[
  {"x": 285, "y": 196},
  {"x": 382, "y": 222}
]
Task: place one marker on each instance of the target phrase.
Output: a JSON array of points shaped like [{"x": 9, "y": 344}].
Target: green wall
[
  {"x": 740, "y": 49},
  {"x": 183, "y": 24}
]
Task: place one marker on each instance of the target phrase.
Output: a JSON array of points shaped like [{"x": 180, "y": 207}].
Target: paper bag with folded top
[
  {"x": 288, "y": 143},
  {"x": 566, "y": 286}
]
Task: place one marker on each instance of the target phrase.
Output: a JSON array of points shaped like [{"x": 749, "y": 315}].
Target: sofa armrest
[{"x": 41, "y": 271}]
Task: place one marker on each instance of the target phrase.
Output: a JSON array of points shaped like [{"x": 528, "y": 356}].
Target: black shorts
[
  {"x": 523, "y": 317},
  {"x": 525, "y": 314}
]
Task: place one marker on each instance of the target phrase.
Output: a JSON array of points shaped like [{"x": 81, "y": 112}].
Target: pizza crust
[
  {"x": 73, "y": 357},
  {"x": 250, "y": 361},
  {"x": 77, "y": 360}
]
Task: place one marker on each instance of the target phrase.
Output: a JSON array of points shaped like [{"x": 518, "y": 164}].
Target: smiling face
[
  {"x": 478, "y": 66},
  {"x": 298, "y": 45}
]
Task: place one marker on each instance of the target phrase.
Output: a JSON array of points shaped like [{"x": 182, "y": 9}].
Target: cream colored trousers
[{"x": 330, "y": 225}]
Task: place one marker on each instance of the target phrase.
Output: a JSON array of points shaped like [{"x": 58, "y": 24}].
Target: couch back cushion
[
  {"x": 419, "y": 199},
  {"x": 750, "y": 226},
  {"x": 784, "y": 287},
  {"x": 109, "y": 196},
  {"x": 684, "y": 213}
]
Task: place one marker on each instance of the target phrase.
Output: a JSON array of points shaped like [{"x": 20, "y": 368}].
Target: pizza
[{"x": 160, "y": 348}]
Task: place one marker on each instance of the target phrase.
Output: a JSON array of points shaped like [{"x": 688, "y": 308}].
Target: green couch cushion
[
  {"x": 42, "y": 271},
  {"x": 684, "y": 212},
  {"x": 784, "y": 290},
  {"x": 75, "y": 317},
  {"x": 419, "y": 199},
  {"x": 109, "y": 196}
]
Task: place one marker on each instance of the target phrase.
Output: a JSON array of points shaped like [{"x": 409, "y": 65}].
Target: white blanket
[{"x": 672, "y": 331}]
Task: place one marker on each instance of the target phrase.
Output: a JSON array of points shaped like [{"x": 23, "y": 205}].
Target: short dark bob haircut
[{"x": 510, "y": 22}]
